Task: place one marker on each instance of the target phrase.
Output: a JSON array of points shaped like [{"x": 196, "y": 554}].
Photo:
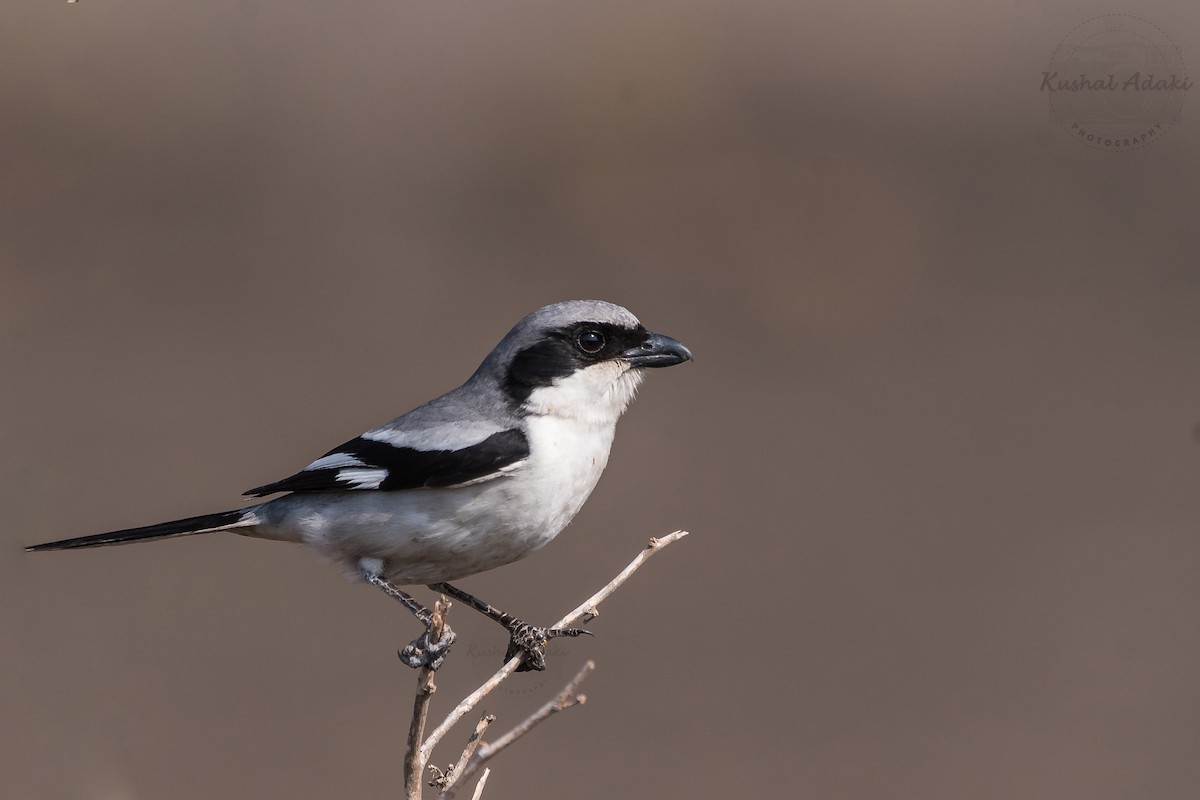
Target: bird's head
[{"x": 581, "y": 358}]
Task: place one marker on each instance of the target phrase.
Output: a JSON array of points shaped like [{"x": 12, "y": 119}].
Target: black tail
[{"x": 206, "y": 523}]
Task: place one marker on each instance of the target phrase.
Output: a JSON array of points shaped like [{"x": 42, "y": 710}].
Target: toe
[
  {"x": 421, "y": 652},
  {"x": 558, "y": 633}
]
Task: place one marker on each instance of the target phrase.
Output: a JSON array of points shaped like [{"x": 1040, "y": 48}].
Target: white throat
[{"x": 597, "y": 395}]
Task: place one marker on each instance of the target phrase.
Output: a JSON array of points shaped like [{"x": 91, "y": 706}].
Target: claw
[
  {"x": 532, "y": 640},
  {"x": 421, "y": 652}
]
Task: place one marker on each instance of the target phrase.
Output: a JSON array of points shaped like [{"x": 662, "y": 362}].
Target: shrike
[{"x": 477, "y": 478}]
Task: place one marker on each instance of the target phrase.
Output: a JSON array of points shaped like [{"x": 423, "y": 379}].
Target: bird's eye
[{"x": 591, "y": 341}]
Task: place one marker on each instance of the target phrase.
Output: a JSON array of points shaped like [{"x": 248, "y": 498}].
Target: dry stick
[
  {"x": 565, "y": 699},
  {"x": 414, "y": 765},
  {"x": 587, "y": 609},
  {"x": 452, "y": 776},
  {"x": 479, "y": 786}
]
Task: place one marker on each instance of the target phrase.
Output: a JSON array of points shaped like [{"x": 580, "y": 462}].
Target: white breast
[{"x": 566, "y": 459}]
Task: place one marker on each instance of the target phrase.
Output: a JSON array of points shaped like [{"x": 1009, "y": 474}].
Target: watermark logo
[{"x": 1116, "y": 83}]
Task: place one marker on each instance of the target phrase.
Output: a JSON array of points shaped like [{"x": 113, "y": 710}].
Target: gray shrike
[{"x": 478, "y": 478}]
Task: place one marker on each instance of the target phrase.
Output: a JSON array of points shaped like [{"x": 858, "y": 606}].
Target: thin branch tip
[
  {"x": 657, "y": 543},
  {"x": 479, "y": 786},
  {"x": 440, "y": 609}
]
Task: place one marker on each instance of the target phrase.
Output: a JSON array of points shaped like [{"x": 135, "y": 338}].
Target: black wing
[{"x": 367, "y": 464}]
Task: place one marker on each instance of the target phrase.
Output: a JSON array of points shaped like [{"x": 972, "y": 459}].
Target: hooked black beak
[{"x": 657, "y": 351}]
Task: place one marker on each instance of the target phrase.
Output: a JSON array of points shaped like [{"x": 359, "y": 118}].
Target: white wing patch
[
  {"x": 363, "y": 478},
  {"x": 333, "y": 461}
]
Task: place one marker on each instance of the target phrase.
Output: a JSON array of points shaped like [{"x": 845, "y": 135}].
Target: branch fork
[{"x": 477, "y": 752}]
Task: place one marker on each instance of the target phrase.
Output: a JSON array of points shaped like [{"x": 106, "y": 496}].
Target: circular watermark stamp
[{"x": 1116, "y": 83}]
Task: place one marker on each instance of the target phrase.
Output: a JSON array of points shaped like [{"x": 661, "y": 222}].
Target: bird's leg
[
  {"x": 422, "y": 651},
  {"x": 524, "y": 638}
]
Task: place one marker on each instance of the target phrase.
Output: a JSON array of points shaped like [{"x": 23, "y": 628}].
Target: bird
[{"x": 480, "y": 477}]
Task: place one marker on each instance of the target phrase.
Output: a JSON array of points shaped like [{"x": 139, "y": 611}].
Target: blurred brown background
[{"x": 938, "y": 450}]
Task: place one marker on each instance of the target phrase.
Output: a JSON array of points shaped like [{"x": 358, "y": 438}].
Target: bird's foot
[
  {"x": 422, "y": 652},
  {"x": 532, "y": 640}
]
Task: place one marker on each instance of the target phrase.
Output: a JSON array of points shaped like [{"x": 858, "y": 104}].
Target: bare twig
[
  {"x": 464, "y": 707},
  {"x": 479, "y": 786},
  {"x": 414, "y": 763},
  {"x": 452, "y": 777},
  {"x": 585, "y": 612},
  {"x": 590, "y": 609},
  {"x": 565, "y": 699}
]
